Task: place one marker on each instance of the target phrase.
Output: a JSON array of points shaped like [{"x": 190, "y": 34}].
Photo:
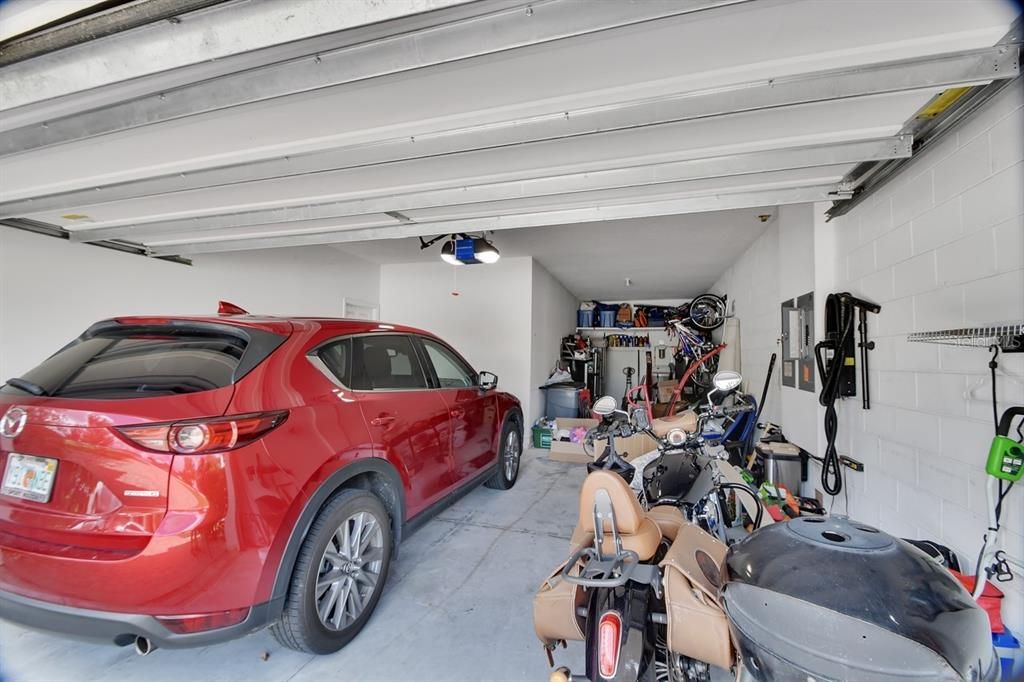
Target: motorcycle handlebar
[{"x": 738, "y": 409}]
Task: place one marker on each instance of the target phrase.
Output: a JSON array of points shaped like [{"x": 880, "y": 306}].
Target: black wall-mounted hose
[{"x": 831, "y": 471}]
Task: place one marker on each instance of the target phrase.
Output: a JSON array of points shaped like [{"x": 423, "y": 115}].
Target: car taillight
[
  {"x": 201, "y": 436},
  {"x": 609, "y": 631},
  {"x": 184, "y": 625}
]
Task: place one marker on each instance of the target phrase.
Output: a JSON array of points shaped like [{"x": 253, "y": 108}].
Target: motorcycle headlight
[{"x": 676, "y": 437}]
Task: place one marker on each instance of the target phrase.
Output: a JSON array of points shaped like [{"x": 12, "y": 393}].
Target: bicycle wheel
[
  {"x": 707, "y": 312},
  {"x": 704, "y": 375}
]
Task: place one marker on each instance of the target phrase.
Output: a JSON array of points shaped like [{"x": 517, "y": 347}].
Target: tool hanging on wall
[
  {"x": 629, "y": 372},
  {"x": 764, "y": 391},
  {"x": 838, "y": 372},
  {"x": 649, "y": 373}
]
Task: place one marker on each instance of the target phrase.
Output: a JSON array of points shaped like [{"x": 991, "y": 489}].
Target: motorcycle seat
[
  {"x": 637, "y": 532},
  {"x": 686, "y": 420}
]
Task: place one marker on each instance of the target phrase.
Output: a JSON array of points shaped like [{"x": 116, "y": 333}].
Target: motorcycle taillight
[{"x": 609, "y": 635}]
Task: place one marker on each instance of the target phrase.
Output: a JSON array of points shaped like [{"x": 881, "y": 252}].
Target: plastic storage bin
[
  {"x": 607, "y": 318},
  {"x": 585, "y": 318},
  {"x": 541, "y": 438},
  {"x": 562, "y": 400}
]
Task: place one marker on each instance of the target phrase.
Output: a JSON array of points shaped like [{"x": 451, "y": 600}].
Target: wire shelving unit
[{"x": 1008, "y": 336}]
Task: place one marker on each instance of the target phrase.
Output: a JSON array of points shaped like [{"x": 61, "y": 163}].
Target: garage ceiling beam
[
  {"x": 459, "y": 193},
  {"x": 535, "y": 23},
  {"x": 922, "y": 73},
  {"x": 711, "y": 202}
]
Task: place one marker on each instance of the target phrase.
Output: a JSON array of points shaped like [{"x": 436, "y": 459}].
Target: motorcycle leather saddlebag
[
  {"x": 555, "y": 603},
  {"x": 692, "y": 574}
]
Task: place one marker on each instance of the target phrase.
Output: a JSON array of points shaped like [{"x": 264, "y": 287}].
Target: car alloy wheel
[
  {"x": 512, "y": 454},
  {"x": 350, "y": 569}
]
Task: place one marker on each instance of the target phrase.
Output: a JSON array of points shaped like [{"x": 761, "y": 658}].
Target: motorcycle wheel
[{"x": 670, "y": 667}]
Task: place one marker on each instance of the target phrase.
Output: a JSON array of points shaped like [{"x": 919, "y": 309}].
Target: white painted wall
[
  {"x": 941, "y": 247},
  {"x": 51, "y": 290},
  {"x": 553, "y": 317},
  {"x": 489, "y": 322}
]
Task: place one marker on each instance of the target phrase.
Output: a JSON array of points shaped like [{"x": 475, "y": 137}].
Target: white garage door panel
[
  {"x": 865, "y": 118},
  {"x": 712, "y": 48},
  {"x": 609, "y": 199},
  {"x": 713, "y": 167},
  {"x": 562, "y": 217},
  {"x": 163, "y": 46},
  {"x": 633, "y": 195},
  {"x": 309, "y": 227}
]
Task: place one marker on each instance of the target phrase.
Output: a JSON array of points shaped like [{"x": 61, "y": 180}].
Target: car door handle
[
  {"x": 382, "y": 420},
  {"x": 457, "y": 412}
]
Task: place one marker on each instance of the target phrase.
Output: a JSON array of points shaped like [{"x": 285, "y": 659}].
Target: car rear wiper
[{"x": 28, "y": 386}]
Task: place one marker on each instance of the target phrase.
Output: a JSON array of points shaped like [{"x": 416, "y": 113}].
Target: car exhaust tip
[{"x": 144, "y": 647}]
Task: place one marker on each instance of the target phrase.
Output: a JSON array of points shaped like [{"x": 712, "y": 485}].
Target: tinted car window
[
  {"x": 337, "y": 356},
  {"x": 387, "y": 362},
  {"x": 451, "y": 371},
  {"x": 121, "y": 365}
]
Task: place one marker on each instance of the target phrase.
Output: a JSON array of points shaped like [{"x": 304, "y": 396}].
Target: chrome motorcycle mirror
[
  {"x": 605, "y": 406},
  {"x": 727, "y": 381}
]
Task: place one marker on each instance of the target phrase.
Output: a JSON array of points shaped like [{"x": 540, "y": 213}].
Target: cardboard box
[
  {"x": 665, "y": 389},
  {"x": 628, "y": 448}
]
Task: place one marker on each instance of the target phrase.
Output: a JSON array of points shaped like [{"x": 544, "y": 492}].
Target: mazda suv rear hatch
[{"x": 83, "y": 476}]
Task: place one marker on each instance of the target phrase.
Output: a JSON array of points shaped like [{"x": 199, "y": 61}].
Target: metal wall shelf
[{"x": 1008, "y": 336}]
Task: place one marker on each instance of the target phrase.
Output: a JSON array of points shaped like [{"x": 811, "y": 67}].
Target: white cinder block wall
[
  {"x": 942, "y": 246},
  {"x": 51, "y": 290},
  {"x": 777, "y": 267},
  {"x": 752, "y": 285}
]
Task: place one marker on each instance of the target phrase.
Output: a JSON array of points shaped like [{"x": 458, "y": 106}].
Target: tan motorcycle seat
[
  {"x": 668, "y": 519},
  {"x": 687, "y": 421},
  {"x": 637, "y": 532}
]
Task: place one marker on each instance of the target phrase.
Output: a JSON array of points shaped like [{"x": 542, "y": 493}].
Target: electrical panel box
[{"x": 798, "y": 342}]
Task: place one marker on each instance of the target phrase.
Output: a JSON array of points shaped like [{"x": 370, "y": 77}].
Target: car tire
[
  {"x": 510, "y": 452},
  {"x": 322, "y": 620}
]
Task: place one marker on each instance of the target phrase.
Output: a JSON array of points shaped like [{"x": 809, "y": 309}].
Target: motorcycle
[{"x": 657, "y": 593}]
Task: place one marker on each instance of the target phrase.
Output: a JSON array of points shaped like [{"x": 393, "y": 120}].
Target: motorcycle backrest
[{"x": 600, "y": 486}]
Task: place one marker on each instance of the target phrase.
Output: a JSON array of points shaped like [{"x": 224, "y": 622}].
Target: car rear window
[{"x": 143, "y": 362}]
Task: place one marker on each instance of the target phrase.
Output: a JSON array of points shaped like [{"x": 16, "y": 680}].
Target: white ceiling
[
  {"x": 505, "y": 115},
  {"x": 665, "y": 257}
]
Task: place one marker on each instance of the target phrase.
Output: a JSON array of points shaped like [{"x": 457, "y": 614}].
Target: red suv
[{"x": 182, "y": 481}]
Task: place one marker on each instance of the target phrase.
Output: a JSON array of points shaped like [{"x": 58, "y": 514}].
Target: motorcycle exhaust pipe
[{"x": 144, "y": 647}]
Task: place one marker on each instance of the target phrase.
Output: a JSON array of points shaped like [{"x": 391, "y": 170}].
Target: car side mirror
[{"x": 487, "y": 380}]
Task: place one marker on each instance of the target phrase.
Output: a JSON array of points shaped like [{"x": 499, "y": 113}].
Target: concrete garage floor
[{"x": 458, "y": 606}]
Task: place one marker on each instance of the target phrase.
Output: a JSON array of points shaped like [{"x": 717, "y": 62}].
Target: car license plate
[{"x": 29, "y": 477}]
